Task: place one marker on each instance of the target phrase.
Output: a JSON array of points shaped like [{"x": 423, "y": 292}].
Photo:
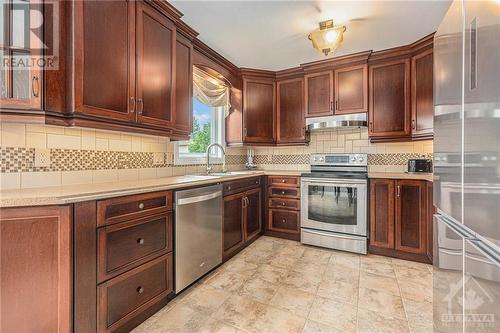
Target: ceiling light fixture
[{"x": 328, "y": 37}]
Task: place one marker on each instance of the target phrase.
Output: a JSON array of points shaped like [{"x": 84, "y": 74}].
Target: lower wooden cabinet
[
  {"x": 399, "y": 218},
  {"x": 242, "y": 215},
  {"x": 283, "y": 202},
  {"x": 36, "y": 269},
  {"x": 124, "y": 297}
]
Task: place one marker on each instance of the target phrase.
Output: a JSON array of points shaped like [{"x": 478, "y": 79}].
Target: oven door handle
[
  {"x": 317, "y": 181},
  {"x": 330, "y": 234}
]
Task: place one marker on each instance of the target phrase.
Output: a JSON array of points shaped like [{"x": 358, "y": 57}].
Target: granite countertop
[
  {"x": 401, "y": 175},
  {"x": 60, "y": 195}
]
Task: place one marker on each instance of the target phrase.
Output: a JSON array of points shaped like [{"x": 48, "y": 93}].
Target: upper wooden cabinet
[
  {"x": 389, "y": 111},
  {"x": 183, "y": 110},
  {"x": 259, "y": 110},
  {"x": 422, "y": 102},
  {"x": 351, "y": 89},
  {"x": 401, "y": 105},
  {"x": 105, "y": 64},
  {"x": 20, "y": 86},
  {"x": 290, "y": 111},
  {"x": 319, "y": 94},
  {"x": 156, "y": 45}
]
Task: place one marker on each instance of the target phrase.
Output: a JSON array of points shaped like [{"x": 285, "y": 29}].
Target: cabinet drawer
[
  {"x": 241, "y": 185},
  {"x": 284, "y": 192},
  {"x": 284, "y": 203},
  {"x": 126, "y": 245},
  {"x": 126, "y": 208},
  {"x": 284, "y": 221},
  {"x": 284, "y": 181},
  {"x": 128, "y": 295}
]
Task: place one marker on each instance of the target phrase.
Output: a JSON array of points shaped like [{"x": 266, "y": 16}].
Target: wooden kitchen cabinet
[
  {"x": 36, "y": 272},
  {"x": 156, "y": 44},
  {"x": 399, "y": 218},
  {"x": 105, "y": 63},
  {"x": 389, "y": 107},
  {"x": 422, "y": 103},
  {"x": 291, "y": 126},
  {"x": 259, "y": 110},
  {"x": 382, "y": 213},
  {"x": 183, "y": 92},
  {"x": 242, "y": 215},
  {"x": 319, "y": 94},
  {"x": 20, "y": 87},
  {"x": 351, "y": 89}
]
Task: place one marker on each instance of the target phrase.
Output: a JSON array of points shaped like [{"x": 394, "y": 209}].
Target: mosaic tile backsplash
[{"x": 92, "y": 156}]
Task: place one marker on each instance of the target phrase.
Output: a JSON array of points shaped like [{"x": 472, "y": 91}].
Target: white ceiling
[{"x": 273, "y": 34}]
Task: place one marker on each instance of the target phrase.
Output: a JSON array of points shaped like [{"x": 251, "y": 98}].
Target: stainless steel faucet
[{"x": 209, "y": 166}]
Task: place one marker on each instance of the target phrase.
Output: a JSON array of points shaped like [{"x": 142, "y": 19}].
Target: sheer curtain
[{"x": 210, "y": 91}]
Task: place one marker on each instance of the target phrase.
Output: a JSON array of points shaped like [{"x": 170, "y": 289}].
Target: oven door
[{"x": 334, "y": 205}]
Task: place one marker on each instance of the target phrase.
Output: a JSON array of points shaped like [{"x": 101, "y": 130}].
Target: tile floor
[{"x": 277, "y": 285}]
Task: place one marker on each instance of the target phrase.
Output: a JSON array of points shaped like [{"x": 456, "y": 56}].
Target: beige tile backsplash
[{"x": 53, "y": 137}]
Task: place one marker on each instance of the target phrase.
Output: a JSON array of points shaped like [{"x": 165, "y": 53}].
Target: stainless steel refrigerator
[{"x": 466, "y": 228}]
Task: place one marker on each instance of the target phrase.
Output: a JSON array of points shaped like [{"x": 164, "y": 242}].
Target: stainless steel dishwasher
[{"x": 198, "y": 233}]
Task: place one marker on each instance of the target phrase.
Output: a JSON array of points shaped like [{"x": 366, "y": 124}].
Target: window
[{"x": 208, "y": 128}]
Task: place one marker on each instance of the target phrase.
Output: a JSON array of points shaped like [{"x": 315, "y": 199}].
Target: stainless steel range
[{"x": 334, "y": 202}]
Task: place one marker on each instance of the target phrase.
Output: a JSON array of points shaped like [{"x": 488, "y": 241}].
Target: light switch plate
[
  {"x": 158, "y": 158},
  {"x": 42, "y": 158}
]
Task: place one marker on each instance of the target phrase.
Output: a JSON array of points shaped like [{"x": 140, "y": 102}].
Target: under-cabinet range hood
[{"x": 354, "y": 120}]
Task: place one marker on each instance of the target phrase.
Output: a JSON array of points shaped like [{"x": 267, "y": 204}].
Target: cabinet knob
[
  {"x": 256, "y": 182},
  {"x": 140, "y": 241},
  {"x": 282, "y": 192},
  {"x": 228, "y": 187},
  {"x": 140, "y": 290},
  {"x": 283, "y": 220},
  {"x": 283, "y": 204},
  {"x": 282, "y": 180},
  {"x": 141, "y": 205}
]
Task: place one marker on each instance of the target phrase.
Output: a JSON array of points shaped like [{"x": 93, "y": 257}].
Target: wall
[
  {"x": 81, "y": 156},
  {"x": 382, "y": 157}
]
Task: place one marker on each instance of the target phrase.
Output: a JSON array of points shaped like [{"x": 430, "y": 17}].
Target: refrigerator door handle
[{"x": 489, "y": 252}]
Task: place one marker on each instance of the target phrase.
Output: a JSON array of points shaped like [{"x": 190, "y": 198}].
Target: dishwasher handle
[{"x": 200, "y": 198}]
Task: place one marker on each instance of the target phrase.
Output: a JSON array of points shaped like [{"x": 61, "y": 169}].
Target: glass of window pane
[
  {"x": 21, "y": 82},
  {"x": 3, "y": 76},
  {"x": 20, "y": 24}
]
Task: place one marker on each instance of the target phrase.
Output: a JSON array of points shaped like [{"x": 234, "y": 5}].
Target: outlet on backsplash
[
  {"x": 158, "y": 158},
  {"x": 42, "y": 158}
]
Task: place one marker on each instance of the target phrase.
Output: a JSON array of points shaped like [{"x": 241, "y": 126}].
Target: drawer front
[
  {"x": 128, "y": 295},
  {"x": 241, "y": 185},
  {"x": 284, "y": 192},
  {"x": 126, "y": 208},
  {"x": 284, "y": 221},
  {"x": 284, "y": 181},
  {"x": 126, "y": 245},
  {"x": 279, "y": 203}
]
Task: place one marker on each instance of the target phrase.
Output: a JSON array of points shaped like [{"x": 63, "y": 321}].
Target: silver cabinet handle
[
  {"x": 134, "y": 104},
  {"x": 35, "y": 91},
  {"x": 206, "y": 197},
  {"x": 398, "y": 191},
  {"x": 413, "y": 123},
  {"x": 141, "y": 103}
]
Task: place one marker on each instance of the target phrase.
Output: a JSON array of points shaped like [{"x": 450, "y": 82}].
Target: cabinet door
[
  {"x": 429, "y": 219},
  {"x": 351, "y": 89},
  {"x": 410, "y": 216},
  {"x": 259, "y": 99},
  {"x": 105, "y": 59},
  {"x": 253, "y": 214},
  {"x": 36, "y": 274},
  {"x": 155, "y": 59},
  {"x": 290, "y": 112},
  {"x": 233, "y": 235},
  {"x": 319, "y": 94},
  {"x": 389, "y": 110},
  {"x": 183, "y": 85},
  {"x": 382, "y": 213},
  {"x": 20, "y": 77},
  {"x": 422, "y": 108}
]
